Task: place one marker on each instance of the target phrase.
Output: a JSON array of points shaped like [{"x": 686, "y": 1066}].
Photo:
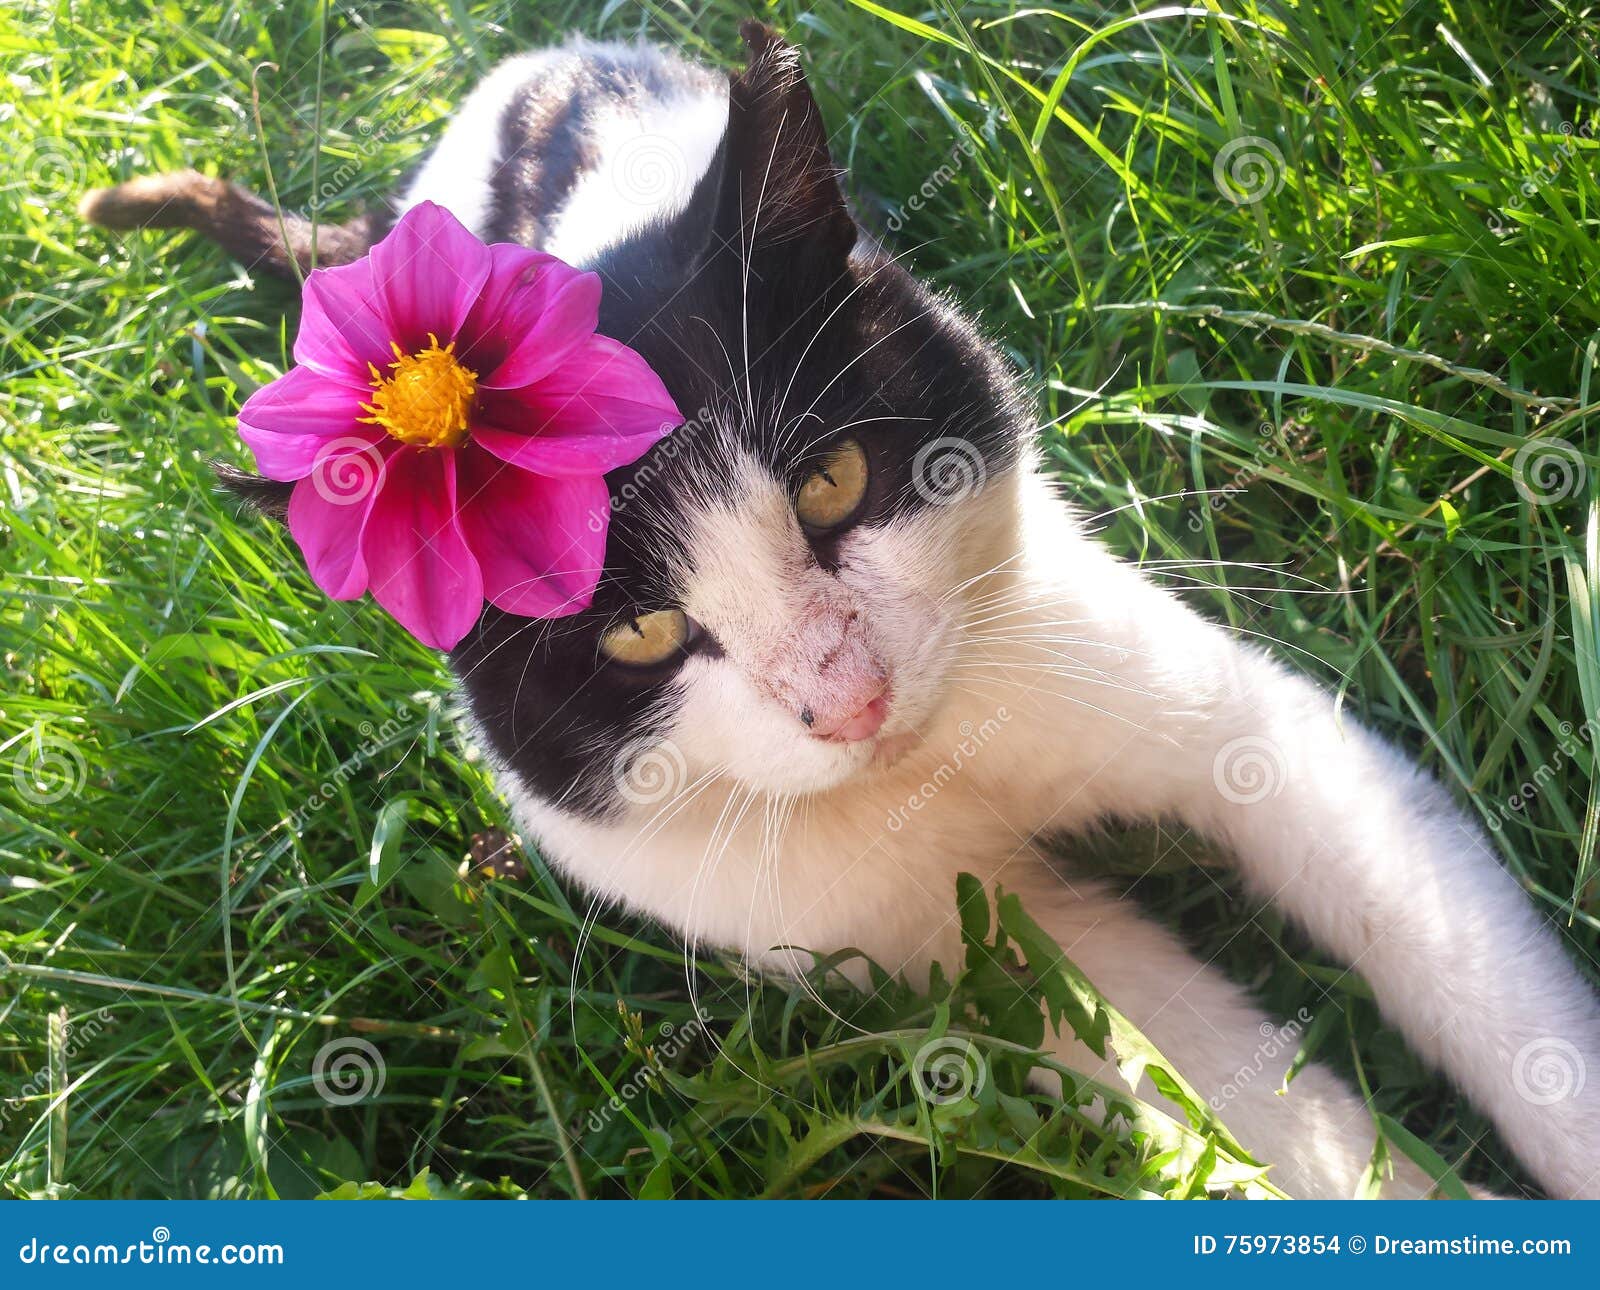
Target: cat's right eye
[
  {"x": 833, "y": 493},
  {"x": 647, "y": 639}
]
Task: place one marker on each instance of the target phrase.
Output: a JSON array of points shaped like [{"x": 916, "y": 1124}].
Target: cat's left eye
[
  {"x": 832, "y": 493},
  {"x": 647, "y": 639}
]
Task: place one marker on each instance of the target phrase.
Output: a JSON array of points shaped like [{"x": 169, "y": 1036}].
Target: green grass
[{"x": 198, "y": 752}]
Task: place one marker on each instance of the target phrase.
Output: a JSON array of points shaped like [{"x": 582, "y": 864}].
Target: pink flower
[{"x": 449, "y": 426}]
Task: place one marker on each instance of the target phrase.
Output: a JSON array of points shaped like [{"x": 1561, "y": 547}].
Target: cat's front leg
[
  {"x": 1372, "y": 857},
  {"x": 1315, "y": 1132}
]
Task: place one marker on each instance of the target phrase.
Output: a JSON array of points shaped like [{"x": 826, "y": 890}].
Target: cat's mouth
[
  {"x": 862, "y": 724},
  {"x": 865, "y": 729}
]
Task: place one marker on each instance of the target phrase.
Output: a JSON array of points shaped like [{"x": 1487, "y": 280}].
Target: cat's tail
[{"x": 247, "y": 226}]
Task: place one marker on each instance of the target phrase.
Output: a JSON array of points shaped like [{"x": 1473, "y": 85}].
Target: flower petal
[
  {"x": 541, "y": 543},
  {"x": 430, "y": 271},
  {"x": 602, "y": 408},
  {"x": 420, "y": 566},
  {"x": 288, "y": 422},
  {"x": 327, "y": 526},
  {"x": 534, "y": 311},
  {"x": 343, "y": 326},
  {"x": 516, "y": 273}
]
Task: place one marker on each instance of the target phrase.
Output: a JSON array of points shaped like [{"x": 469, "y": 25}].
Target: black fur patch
[
  {"x": 847, "y": 340},
  {"x": 762, "y": 293}
]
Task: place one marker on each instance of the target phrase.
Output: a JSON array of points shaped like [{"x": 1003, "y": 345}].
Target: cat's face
[
  {"x": 786, "y": 573},
  {"x": 779, "y": 613}
]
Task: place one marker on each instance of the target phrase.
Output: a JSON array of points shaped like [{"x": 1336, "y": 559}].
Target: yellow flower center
[{"x": 426, "y": 398}]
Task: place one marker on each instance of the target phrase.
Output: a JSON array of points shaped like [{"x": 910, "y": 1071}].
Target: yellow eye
[
  {"x": 647, "y": 638},
  {"x": 833, "y": 492}
]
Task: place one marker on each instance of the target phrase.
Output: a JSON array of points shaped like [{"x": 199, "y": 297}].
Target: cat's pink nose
[{"x": 851, "y": 727}]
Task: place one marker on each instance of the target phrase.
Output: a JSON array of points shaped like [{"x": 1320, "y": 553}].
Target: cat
[{"x": 850, "y": 642}]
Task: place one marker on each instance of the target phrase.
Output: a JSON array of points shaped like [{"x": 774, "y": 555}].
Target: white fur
[
  {"x": 458, "y": 170},
  {"x": 655, "y": 152},
  {"x": 1101, "y": 695},
  {"x": 1095, "y": 694},
  {"x": 652, "y": 149}
]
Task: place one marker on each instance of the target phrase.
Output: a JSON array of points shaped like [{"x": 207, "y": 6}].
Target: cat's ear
[
  {"x": 780, "y": 192},
  {"x": 267, "y": 497}
]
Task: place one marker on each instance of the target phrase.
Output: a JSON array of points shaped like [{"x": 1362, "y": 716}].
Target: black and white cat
[{"x": 849, "y": 643}]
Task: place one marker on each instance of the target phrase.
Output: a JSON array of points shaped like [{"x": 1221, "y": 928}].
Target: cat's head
[{"x": 785, "y": 573}]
